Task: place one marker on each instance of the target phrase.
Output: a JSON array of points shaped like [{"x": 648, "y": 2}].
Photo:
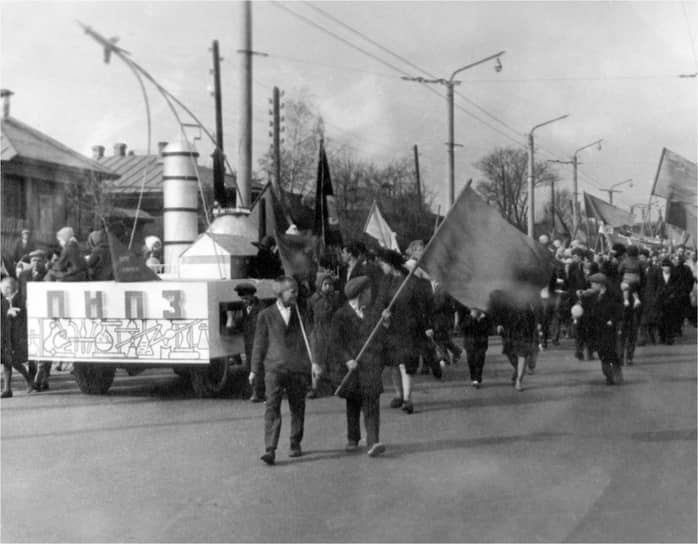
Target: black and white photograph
[{"x": 348, "y": 271}]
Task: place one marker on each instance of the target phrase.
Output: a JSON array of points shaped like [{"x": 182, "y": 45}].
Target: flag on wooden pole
[
  {"x": 326, "y": 224},
  {"x": 475, "y": 251},
  {"x": 377, "y": 227}
]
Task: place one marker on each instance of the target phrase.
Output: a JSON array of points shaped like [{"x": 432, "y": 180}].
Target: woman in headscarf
[
  {"x": 70, "y": 266},
  {"x": 321, "y": 308},
  {"x": 99, "y": 267}
]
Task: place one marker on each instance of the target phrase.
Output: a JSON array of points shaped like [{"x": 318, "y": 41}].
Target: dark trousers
[
  {"x": 296, "y": 387},
  {"x": 628, "y": 337},
  {"x": 370, "y": 405},
  {"x": 476, "y": 362}
]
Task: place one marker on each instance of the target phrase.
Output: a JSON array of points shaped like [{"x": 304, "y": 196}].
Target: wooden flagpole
[{"x": 397, "y": 293}]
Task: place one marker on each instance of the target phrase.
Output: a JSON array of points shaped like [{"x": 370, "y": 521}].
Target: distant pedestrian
[
  {"x": 475, "y": 326},
  {"x": 23, "y": 247},
  {"x": 351, "y": 326},
  {"x": 281, "y": 354},
  {"x": 13, "y": 335}
]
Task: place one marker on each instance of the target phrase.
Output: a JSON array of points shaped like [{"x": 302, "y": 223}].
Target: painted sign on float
[{"x": 140, "y": 322}]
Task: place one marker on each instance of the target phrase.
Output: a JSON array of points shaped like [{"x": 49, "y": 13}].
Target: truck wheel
[
  {"x": 211, "y": 381},
  {"x": 93, "y": 379}
]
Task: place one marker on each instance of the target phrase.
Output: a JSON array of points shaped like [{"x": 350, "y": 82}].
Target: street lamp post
[
  {"x": 612, "y": 189},
  {"x": 450, "y": 85},
  {"x": 575, "y": 164},
  {"x": 531, "y": 175}
]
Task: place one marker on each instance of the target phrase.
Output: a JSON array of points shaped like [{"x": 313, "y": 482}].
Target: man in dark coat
[
  {"x": 649, "y": 319},
  {"x": 245, "y": 320},
  {"x": 475, "y": 326},
  {"x": 352, "y": 324},
  {"x": 667, "y": 300},
  {"x": 280, "y": 352},
  {"x": 36, "y": 272},
  {"x": 23, "y": 247},
  {"x": 267, "y": 263},
  {"x": 13, "y": 335},
  {"x": 606, "y": 314},
  {"x": 99, "y": 266}
]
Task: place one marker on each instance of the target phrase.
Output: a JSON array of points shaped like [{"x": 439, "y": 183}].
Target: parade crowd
[{"x": 361, "y": 313}]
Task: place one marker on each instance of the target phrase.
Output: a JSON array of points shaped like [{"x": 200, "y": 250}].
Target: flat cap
[
  {"x": 667, "y": 262},
  {"x": 245, "y": 289},
  {"x": 598, "y": 278},
  {"x": 356, "y": 286}
]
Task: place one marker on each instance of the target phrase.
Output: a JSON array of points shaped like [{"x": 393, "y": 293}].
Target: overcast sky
[{"x": 613, "y": 66}]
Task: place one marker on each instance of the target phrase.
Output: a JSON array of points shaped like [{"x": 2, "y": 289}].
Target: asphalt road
[{"x": 568, "y": 459}]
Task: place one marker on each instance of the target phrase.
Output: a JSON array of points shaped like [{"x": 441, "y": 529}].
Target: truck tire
[
  {"x": 93, "y": 379},
  {"x": 212, "y": 380}
]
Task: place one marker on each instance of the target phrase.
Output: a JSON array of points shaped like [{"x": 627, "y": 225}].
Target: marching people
[
  {"x": 475, "y": 326},
  {"x": 321, "y": 307},
  {"x": 443, "y": 311},
  {"x": 281, "y": 353},
  {"x": 13, "y": 335},
  {"x": 405, "y": 326},
  {"x": 245, "y": 320},
  {"x": 606, "y": 313},
  {"x": 351, "y": 326}
]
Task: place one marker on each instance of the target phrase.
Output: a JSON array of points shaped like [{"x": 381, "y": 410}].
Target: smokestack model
[{"x": 180, "y": 200}]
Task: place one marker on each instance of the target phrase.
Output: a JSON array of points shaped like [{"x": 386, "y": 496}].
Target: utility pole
[
  {"x": 416, "y": 173},
  {"x": 277, "y": 140},
  {"x": 218, "y": 156},
  {"x": 245, "y": 130},
  {"x": 612, "y": 189},
  {"x": 552, "y": 205},
  {"x": 450, "y": 84},
  {"x": 575, "y": 196}
]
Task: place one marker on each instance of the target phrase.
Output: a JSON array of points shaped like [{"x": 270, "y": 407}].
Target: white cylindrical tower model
[{"x": 180, "y": 193}]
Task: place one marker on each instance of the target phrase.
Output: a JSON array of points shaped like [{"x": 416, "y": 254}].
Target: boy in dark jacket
[
  {"x": 351, "y": 326},
  {"x": 13, "y": 335},
  {"x": 475, "y": 326}
]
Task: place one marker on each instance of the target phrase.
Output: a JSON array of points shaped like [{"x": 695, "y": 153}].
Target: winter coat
[
  {"x": 605, "y": 308},
  {"x": 70, "y": 266},
  {"x": 650, "y": 308},
  {"x": 348, "y": 335},
  {"x": 321, "y": 308},
  {"x": 14, "y": 330},
  {"x": 475, "y": 331}
]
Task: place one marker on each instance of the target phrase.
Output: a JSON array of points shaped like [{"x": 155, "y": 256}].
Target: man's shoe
[
  {"x": 376, "y": 450},
  {"x": 351, "y": 447},
  {"x": 6, "y": 395},
  {"x": 476, "y": 384},
  {"x": 407, "y": 407},
  {"x": 396, "y": 403},
  {"x": 269, "y": 458},
  {"x": 295, "y": 452}
]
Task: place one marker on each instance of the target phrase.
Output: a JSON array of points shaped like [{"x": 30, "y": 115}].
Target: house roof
[
  {"x": 19, "y": 140},
  {"x": 132, "y": 167}
]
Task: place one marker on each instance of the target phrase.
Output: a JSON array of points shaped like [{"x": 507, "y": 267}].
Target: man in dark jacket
[
  {"x": 23, "y": 247},
  {"x": 351, "y": 326},
  {"x": 280, "y": 352},
  {"x": 13, "y": 336},
  {"x": 475, "y": 326},
  {"x": 245, "y": 320},
  {"x": 606, "y": 314},
  {"x": 99, "y": 267},
  {"x": 667, "y": 300}
]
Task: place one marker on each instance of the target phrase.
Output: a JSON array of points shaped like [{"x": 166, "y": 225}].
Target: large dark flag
[
  {"x": 326, "y": 224},
  {"x": 611, "y": 215},
  {"x": 128, "y": 266},
  {"x": 298, "y": 253},
  {"x": 475, "y": 252},
  {"x": 676, "y": 181}
]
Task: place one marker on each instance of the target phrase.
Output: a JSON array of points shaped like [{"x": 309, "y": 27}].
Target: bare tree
[{"x": 505, "y": 172}]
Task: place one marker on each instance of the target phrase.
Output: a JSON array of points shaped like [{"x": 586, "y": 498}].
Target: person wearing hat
[
  {"x": 36, "y": 272},
  {"x": 245, "y": 320},
  {"x": 280, "y": 352},
  {"x": 70, "y": 266},
  {"x": 13, "y": 335},
  {"x": 606, "y": 314},
  {"x": 649, "y": 318},
  {"x": 667, "y": 301},
  {"x": 321, "y": 307},
  {"x": 351, "y": 326},
  {"x": 266, "y": 264},
  {"x": 407, "y": 321},
  {"x": 23, "y": 247}
]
